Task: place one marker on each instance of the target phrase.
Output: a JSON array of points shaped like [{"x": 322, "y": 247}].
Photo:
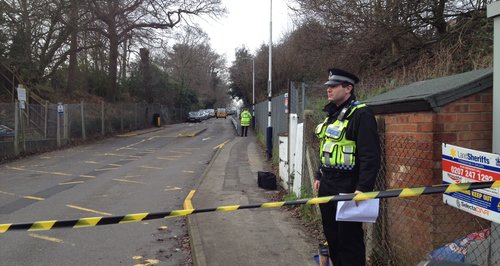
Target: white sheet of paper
[{"x": 366, "y": 211}]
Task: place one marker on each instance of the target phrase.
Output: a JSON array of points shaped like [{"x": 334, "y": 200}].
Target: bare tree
[
  {"x": 193, "y": 65},
  {"x": 38, "y": 33},
  {"x": 378, "y": 34},
  {"x": 71, "y": 81},
  {"x": 124, "y": 18},
  {"x": 145, "y": 68},
  {"x": 240, "y": 74}
]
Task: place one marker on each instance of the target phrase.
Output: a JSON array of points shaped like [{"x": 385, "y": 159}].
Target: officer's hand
[
  {"x": 316, "y": 185},
  {"x": 357, "y": 192}
]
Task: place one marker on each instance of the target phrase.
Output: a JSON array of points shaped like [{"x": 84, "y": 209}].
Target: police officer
[
  {"x": 350, "y": 159},
  {"x": 245, "y": 119}
]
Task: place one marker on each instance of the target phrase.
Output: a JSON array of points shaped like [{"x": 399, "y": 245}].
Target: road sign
[
  {"x": 461, "y": 165},
  {"x": 60, "y": 108},
  {"x": 21, "y": 93}
]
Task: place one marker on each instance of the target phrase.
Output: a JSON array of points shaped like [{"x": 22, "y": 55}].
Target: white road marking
[
  {"x": 87, "y": 210},
  {"x": 52, "y": 239},
  {"x": 128, "y": 181},
  {"x": 169, "y": 188},
  {"x": 37, "y": 171},
  {"x": 151, "y": 167},
  {"x": 105, "y": 169},
  {"x": 71, "y": 183},
  {"x": 167, "y": 158}
]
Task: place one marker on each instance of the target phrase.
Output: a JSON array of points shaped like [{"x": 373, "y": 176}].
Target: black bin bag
[{"x": 266, "y": 180}]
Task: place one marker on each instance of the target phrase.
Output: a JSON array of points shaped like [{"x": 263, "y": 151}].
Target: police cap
[{"x": 338, "y": 76}]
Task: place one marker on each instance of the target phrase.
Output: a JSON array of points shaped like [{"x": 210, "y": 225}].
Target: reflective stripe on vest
[
  {"x": 245, "y": 119},
  {"x": 336, "y": 151}
]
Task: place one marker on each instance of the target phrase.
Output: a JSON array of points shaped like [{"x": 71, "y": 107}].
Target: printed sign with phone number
[{"x": 461, "y": 165}]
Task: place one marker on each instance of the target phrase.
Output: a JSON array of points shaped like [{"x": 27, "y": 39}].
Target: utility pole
[{"x": 269, "y": 131}]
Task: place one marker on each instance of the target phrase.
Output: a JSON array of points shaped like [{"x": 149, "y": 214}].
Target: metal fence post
[
  {"x": 66, "y": 123},
  {"x": 16, "y": 128},
  {"x": 102, "y": 119},
  {"x": 22, "y": 126},
  {"x": 121, "y": 117},
  {"x": 45, "y": 124},
  {"x": 303, "y": 86},
  {"x": 58, "y": 131},
  {"x": 82, "y": 112},
  {"x": 136, "y": 110}
]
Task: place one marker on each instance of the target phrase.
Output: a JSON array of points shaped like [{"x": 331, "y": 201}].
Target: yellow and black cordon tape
[{"x": 137, "y": 217}]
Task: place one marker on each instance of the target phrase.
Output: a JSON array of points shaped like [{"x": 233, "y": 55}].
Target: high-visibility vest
[
  {"x": 336, "y": 151},
  {"x": 245, "y": 118}
]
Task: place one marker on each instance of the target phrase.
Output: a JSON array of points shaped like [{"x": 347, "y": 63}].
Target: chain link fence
[
  {"x": 279, "y": 116},
  {"x": 36, "y": 127},
  {"x": 416, "y": 229},
  {"x": 413, "y": 230}
]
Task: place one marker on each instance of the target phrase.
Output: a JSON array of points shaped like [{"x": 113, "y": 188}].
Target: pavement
[{"x": 243, "y": 237}]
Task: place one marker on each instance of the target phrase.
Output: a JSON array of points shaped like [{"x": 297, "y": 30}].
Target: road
[{"x": 131, "y": 173}]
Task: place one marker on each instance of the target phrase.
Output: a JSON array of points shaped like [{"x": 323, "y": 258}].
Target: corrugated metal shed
[{"x": 431, "y": 94}]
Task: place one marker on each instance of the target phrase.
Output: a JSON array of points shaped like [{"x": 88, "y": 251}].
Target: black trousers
[
  {"x": 345, "y": 239},
  {"x": 244, "y": 130}
]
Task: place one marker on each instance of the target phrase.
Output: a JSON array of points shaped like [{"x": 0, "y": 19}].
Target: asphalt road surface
[{"x": 131, "y": 173}]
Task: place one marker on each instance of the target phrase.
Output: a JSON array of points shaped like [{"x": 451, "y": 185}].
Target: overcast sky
[{"x": 247, "y": 24}]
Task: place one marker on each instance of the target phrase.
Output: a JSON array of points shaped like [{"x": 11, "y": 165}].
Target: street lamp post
[
  {"x": 253, "y": 93},
  {"x": 269, "y": 131}
]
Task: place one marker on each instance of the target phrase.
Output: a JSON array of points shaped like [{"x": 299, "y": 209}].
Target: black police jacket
[{"x": 362, "y": 129}]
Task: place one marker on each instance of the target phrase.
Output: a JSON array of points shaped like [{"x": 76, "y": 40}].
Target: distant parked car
[
  {"x": 211, "y": 112},
  {"x": 231, "y": 111},
  {"x": 194, "y": 117},
  {"x": 221, "y": 112},
  {"x": 204, "y": 114}
]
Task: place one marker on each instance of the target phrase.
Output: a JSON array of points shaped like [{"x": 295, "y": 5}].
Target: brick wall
[
  {"x": 409, "y": 162},
  {"x": 413, "y": 158},
  {"x": 467, "y": 122}
]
